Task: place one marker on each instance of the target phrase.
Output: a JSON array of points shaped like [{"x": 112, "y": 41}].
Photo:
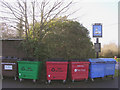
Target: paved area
[
  {"x": 98, "y": 83},
  {"x": 117, "y": 65}
]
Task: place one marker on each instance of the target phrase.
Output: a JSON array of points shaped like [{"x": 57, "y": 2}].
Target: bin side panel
[
  {"x": 109, "y": 69},
  {"x": 9, "y": 73},
  {"x": 79, "y": 70},
  {"x": 56, "y": 70},
  {"x": 70, "y": 71},
  {"x": 96, "y": 70},
  {"x": 29, "y": 70},
  {"x": 9, "y": 68}
]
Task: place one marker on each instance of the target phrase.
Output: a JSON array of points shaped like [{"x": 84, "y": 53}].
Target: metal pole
[{"x": 97, "y": 53}]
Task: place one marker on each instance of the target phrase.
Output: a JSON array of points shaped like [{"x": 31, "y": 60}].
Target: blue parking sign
[{"x": 97, "y": 30}]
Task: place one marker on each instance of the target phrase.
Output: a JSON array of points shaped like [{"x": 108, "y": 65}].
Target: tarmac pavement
[{"x": 98, "y": 83}]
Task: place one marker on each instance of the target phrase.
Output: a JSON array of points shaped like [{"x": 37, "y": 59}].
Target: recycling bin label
[
  {"x": 26, "y": 69},
  {"x": 57, "y": 70},
  {"x": 8, "y": 67},
  {"x": 80, "y": 66},
  {"x": 79, "y": 70}
]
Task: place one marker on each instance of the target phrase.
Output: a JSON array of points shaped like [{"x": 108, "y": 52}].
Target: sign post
[
  {"x": 97, "y": 33},
  {"x": 97, "y": 48}
]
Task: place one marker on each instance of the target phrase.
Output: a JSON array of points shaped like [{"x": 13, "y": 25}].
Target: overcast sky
[{"x": 98, "y": 11}]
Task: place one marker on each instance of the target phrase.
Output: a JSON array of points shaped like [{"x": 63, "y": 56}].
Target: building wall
[{"x": 11, "y": 48}]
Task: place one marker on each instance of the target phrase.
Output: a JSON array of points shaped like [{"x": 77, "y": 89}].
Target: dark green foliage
[
  {"x": 68, "y": 39},
  {"x": 34, "y": 49},
  {"x": 59, "y": 39}
]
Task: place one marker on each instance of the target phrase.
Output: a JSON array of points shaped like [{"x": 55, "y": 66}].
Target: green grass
[
  {"x": 117, "y": 73},
  {"x": 118, "y": 59}
]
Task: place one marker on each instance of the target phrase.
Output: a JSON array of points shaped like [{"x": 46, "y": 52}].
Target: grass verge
[{"x": 117, "y": 73}]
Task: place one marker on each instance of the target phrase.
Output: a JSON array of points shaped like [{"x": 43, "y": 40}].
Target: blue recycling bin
[
  {"x": 96, "y": 68},
  {"x": 109, "y": 66}
]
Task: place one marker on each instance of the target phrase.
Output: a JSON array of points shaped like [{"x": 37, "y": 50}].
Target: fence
[{"x": 11, "y": 48}]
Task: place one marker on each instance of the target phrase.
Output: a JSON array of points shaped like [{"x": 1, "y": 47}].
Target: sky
[{"x": 98, "y": 11}]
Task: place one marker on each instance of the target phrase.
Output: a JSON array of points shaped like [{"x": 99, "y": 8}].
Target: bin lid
[
  {"x": 28, "y": 59},
  {"x": 19, "y": 59},
  {"x": 2, "y": 58},
  {"x": 109, "y": 60},
  {"x": 14, "y": 58},
  {"x": 79, "y": 60},
  {"x": 5, "y": 58},
  {"x": 57, "y": 59},
  {"x": 9, "y": 58},
  {"x": 96, "y": 60}
]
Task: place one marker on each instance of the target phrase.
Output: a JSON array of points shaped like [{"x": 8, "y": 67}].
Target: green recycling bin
[{"x": 29, "y": 70}]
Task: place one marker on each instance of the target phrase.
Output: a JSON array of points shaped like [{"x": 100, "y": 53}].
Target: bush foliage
[{"x": 59, "y": 39}]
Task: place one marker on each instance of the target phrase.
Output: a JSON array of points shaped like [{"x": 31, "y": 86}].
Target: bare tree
[
  {"x": 35, "y": 11},
  {"x": 33, "y": 5},
  {"x": 15, "y": 13},
  {"x": 6, "y": 31},
  {"x": 109, "y": 50}
]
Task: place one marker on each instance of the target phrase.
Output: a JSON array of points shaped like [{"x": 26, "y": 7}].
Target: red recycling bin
[
  {"x": 78, "y": 69},
  {"x": 56, "y": 69}
]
